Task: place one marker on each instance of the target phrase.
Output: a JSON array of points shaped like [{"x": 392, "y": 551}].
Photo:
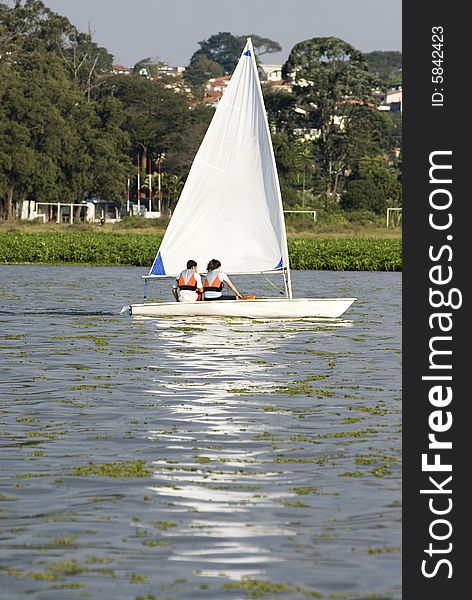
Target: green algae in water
[
  {"x": 53, "y": 571},
  {"x": 295, "y": 504},
  {"x": 381, "y": 471},
  {"x": 350, "y": 420},
  {"x": 129, "y": 469},
  {"x": 351, "y": 474},
  {"x": 302, "y": 491},
  {"x": 384, "y": 550},
  {"x": 136, "y": 578},
  {"x": 7, "y": 497},
  {"x": 154, "y": 543},
  {"x": 164, "y": 524},
  {"x": 258, "y": 588}
]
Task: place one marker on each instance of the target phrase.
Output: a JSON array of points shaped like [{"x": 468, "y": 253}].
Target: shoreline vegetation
[{"x": 318, "y": 248}]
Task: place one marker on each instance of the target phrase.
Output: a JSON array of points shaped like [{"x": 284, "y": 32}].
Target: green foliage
[
  {"x": 151, "y": 110},
  {"x": 373, "y": 186},
  {"x": 224, "y": 49},
  {"x": 330, "y": 81},
  {"x": 57, "y": 143},
  {"x": 158, "y": 121},
  {"x": 341, "y": 254},
  {"x": 364, "y": 217},
  {"x": 280, "y": 108},
  {"x": 149, "y": 67},
  {"x": 201, "y": 69},
  {"x": 386, "y": 65},
  {"x": 363, "y": 194},
  {"x": 395, "y": 119},
  {"x": 70, "y": 129},
  {"x": 182, "y": 143},
  {"x": 296, "y": 168},
  {"x": 262, "y": 45},
  {"x": 79, "y": 248},
  {"x": 369, "y": 132},
  {"x": 346, "y": 254}
]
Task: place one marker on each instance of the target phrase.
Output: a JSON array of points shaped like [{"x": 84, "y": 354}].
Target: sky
[{"x": 169, "y": 30}]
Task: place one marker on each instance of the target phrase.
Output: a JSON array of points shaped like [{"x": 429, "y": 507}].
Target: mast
[{"x": 286, "y": 270}]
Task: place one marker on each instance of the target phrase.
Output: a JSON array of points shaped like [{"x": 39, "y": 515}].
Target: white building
[{"x": 270, "y": 72}]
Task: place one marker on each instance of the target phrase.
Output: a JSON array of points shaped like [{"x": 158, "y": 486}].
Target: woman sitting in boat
[
  {"x": 214, "y": 282},
  {"x": 188, "y": 285}
]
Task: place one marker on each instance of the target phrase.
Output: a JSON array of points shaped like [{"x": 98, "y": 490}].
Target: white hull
[{"x": 263, "y": 308}]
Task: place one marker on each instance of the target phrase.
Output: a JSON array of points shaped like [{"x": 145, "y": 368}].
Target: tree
[
  {"x": 224, "y": 48},
  {"x": 159, "y": 121},
  {"x": 17, "y": 159},
  {"x": 330, "y": 79},
  {"x": 85, "y": 61},
  {"x": 369, "y": 132},
  {"x": 31, "y": 27},
  {"x": 386, "y": 65},
  {"x": 171, "y": 187},
  {"x": 55, "y": 144},
  {"x": 148, "y": 67},
  {"x": 201, "y": 69},
  {"x": 37, "y": 100},
  {"x": 296, "y": 168},
  {"x": 372, "y": 186},
  {"x": 107, "y": 149},
  {"x": 182, "y": 144},
  {"x": 262, "y": 45},
  {"x": 280, "y": 107}
]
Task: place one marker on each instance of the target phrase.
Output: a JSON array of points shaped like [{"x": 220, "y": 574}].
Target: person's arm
[
  {"x": 199, "y": 283},
  {"x": 233, "y": 287},
  {"x": 174, "y": 291}
]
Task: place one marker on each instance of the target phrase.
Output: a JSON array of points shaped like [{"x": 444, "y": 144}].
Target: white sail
[{"x": 230, "y": 207}]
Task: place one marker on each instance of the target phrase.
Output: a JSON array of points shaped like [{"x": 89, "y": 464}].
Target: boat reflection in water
[{"x": 215, "y": 475}]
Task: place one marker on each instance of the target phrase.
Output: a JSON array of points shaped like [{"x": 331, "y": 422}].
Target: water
[{"x": 270, "y": 450}]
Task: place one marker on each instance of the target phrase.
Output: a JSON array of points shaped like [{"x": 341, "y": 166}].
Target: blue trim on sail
[
  {"x": 158, "y": 266},
  {"x": 281, "y": 264},
  {"x": 247, "y": 53}
]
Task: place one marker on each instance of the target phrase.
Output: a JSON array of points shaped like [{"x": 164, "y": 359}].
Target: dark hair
[
  {"x": 213, "y": 264},
  {"x": 191, "y": 263}
]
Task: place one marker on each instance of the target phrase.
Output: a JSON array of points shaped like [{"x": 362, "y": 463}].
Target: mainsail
[{"x": 230, "y": 207}]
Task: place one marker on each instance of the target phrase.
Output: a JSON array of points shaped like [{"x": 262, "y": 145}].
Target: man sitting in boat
[
  {"x": 214, "y": 282},
  {"x": 188, "y": 285}
]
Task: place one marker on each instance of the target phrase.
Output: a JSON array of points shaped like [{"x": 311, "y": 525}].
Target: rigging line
[{"x": 273, "y": 285}]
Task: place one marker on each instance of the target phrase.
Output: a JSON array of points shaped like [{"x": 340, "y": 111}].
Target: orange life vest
[
  {"x": 216, "y": 285},
  {"x": 190, "y": 284}
]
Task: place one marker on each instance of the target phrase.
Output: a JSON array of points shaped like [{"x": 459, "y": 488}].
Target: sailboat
[{"x": 231, "y": 209}]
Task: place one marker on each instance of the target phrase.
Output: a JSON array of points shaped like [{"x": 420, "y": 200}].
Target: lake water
[{"x": 195, "y": 458}]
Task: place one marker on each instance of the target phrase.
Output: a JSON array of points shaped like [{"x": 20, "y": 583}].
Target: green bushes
[
  {"x": 97, "y": 248},
  {"x": 79, "y": 248},
  {"x": 346, "y": 254}
]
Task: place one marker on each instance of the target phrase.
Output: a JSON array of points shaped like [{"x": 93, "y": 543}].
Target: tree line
[{"x": 71, "y": 129}]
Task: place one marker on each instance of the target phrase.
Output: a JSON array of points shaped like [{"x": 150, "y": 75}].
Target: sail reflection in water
[{"x": 218, "y": 479}]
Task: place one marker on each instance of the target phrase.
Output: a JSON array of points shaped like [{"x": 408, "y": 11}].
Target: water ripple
[{"x": 176, "y": 457}]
